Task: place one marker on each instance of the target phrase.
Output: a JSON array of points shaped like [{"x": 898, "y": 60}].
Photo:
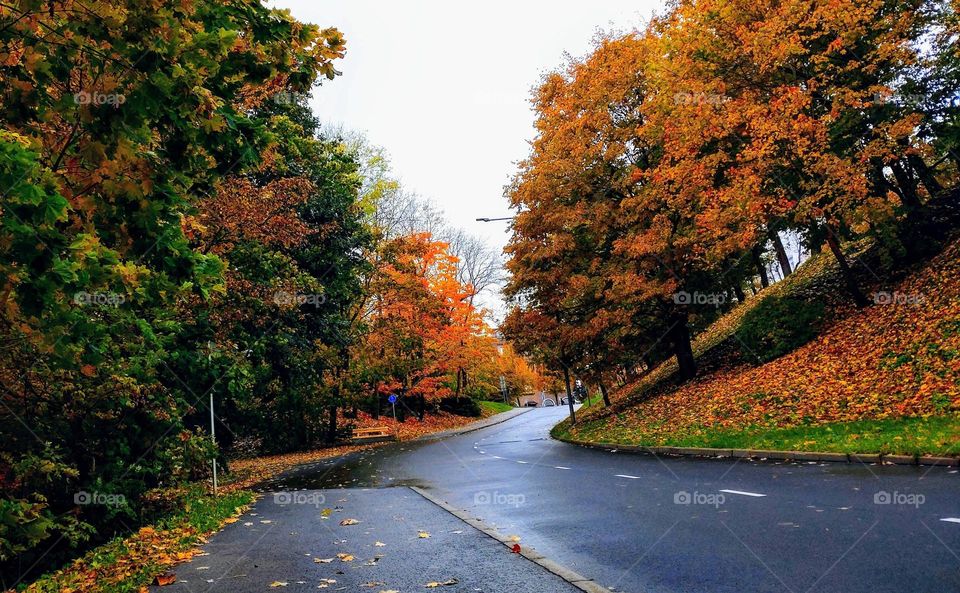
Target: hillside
[{"x": 885, "y": 378}]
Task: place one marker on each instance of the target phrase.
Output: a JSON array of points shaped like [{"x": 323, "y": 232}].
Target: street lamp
[{"x": 494, "y": 219}]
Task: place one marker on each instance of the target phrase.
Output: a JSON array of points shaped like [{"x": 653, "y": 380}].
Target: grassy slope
[
  {"x": 886, "y": 378},
  {"x": 490, "y": 408}
]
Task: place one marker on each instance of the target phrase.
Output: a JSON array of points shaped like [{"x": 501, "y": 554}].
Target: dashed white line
[
  {"x": 521, "y": 462},
  {"x": 951, "y": 519},
  {"x": 626, "y": 476},
  {"x": 496, "y": 457},
  {"x": 560, "y": 467},
  {"x": 741, "y": 492}
]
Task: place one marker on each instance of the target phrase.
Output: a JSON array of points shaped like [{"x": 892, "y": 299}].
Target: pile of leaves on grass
[{"x": 899, "y": 357}]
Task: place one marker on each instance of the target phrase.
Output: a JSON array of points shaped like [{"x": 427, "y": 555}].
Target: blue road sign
[{"x": 392, "y": 399}]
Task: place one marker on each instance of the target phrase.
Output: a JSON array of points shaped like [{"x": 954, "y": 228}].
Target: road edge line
[{"x": 572, "y": 577}]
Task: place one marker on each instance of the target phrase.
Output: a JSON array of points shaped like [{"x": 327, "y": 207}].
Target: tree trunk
[
  {"x": 566, "y": 378},
  {"x": 848, "y": 277},
  {"x": 782, "y": 258},
  {"x": 376, "y": 404},
  {"x": 680, "y": 341},
  {"x": 925, "y": 174},
  {"x": 756, "y": 254},
  {"x": 421, "y": 406},
  {"x": 738, "y": 292},
  {"x": 332, "y": 425},
  {"x": 606, "y": 396},
  {"x": 908, "y": 186}
]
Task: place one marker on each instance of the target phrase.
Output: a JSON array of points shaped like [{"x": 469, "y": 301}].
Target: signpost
[
  {"x": 213, "y": 437},
  {"x": 393, "y": 403}
]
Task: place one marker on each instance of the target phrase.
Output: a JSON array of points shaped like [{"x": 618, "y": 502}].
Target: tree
[{"x": 117, "y": 118}]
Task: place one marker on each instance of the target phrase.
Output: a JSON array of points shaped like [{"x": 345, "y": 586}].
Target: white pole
[{"x": 213, "y": 438}]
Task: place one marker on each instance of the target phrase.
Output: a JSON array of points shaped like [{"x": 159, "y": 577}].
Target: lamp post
[{"x": 485, "y": 219}]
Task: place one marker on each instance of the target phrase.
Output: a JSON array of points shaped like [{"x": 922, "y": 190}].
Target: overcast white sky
[{"x": 443, "y": 86}]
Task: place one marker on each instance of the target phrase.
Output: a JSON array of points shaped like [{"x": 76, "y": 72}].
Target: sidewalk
[
  {"x": 295, "y": 541},
  {"x": 492, "y": 420}
]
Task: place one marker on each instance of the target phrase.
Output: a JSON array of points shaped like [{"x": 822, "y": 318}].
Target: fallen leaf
[
  {"x": 515, "y": 549},
  {"x": 276, "y": 584},
  {"x": 230, "y": 520},
  {"x": 433, "y": 584},
  {"x": 349, "y": 522},
  {"x": 345, "y": 557},
  {"x": 163, "y": 580},
  {"x": 323, "y": 560},
  {"x": 379, "y": 544},
  {"x": 423, "y": 534}
]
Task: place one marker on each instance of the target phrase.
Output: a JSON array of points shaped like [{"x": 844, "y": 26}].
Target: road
[{"x": 641, "y": 524}]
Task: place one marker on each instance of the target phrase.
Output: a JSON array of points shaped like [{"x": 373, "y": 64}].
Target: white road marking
[
  {"x": 626, "y": 476},
  {"x": 496, "y": 457},
  {"x": 560, "y": 467},
  {"x": 521, "y": 462},
  {"x": 483, "y": 452},
  {"x": 743, "y": 493},
  {"x": 951, "y": 519}
]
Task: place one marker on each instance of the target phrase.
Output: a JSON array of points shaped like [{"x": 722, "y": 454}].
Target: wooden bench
[{"x": 376, "y": 434}]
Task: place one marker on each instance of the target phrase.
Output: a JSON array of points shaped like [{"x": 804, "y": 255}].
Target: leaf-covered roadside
[
  {"x": 886, "y": 362},
  {"x": 132, "y": 563},
  {"x": 249, "y": 471}
]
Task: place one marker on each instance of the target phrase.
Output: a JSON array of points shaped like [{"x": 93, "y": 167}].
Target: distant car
[{"x": 531, "y": 404}]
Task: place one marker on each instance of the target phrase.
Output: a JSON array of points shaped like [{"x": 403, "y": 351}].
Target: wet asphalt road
[
  {"x": 294, "y": 542},
  {"x": 641, "y": 524}
]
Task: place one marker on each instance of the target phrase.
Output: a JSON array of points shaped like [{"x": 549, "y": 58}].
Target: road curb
[
  {"x": 711, "y": 453},
  {"x": 574, "y": 578},
  {"x": 478, "y": 425}
]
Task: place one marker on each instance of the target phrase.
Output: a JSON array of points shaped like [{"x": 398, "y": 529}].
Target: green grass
[
  {"x": 490, "y": 408},
  {"x": 194, "y": 508},
  {"x": 937, "y": 435}
]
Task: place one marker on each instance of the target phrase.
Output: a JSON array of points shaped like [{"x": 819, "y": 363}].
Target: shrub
[
  {"x": 461, "y": 406},
  {"x": 779, "y": 325}
]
